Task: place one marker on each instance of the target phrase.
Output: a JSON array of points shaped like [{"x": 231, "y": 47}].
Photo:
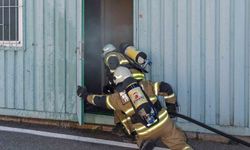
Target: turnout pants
[{"x": 170, "y": 135}]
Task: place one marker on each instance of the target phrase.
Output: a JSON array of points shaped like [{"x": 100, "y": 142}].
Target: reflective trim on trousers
[
  {"x": 124, "y": 121},
  {"x": 163, "y": 117},
  {"x": 187, "y": 148},
  {"x": 130, "y": 111}
]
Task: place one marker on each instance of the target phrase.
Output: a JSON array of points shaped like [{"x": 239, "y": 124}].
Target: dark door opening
[{"x": 106, "y": 21}]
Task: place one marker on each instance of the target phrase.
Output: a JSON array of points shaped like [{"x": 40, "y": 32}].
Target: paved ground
[
  {"x": 14, "y": 141},
  {"x": 20, "y": 141},
  {"x": 201, "y": 145}
]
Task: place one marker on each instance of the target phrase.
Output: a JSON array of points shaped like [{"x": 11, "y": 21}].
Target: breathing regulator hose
[{"x": 233, "y": 138}]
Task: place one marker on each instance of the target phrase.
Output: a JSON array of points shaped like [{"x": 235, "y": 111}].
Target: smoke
[{"x": 106, "y": 21}]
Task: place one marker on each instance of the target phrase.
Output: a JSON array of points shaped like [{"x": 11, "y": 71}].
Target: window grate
[{"x": 11, "y": 23}]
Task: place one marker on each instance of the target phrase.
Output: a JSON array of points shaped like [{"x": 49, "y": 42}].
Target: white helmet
[
  {"x": 108, "y": 48},
  {"x": 120, "y": 74}
]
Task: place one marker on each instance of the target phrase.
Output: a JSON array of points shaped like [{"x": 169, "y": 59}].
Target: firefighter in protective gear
[
  {"x": 113, "y": 59},
  {"x": 138, "y": 101}
]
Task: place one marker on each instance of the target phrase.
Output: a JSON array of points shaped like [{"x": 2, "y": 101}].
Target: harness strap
[{"x": 136, "y": 119}]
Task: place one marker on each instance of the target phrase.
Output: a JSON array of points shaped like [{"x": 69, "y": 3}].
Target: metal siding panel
[
  {"x": 39, "y": 55},
  {"x": 203, "y": 60},
  {"x": 208, "y": 43},
  {"x": 233, "y": 130},
  {"x": 182, "y": 52},
  {"x": 34, "y": 77},
  {"x": 247, "y": 58},
  {"x": 29, "y": 52},
  {"x": 169, "y": 54},
  {"x": 239, "y": 63},
  {"x": 19, "y": 78},
  {"x": 71, "y": 48},
  {"x": 231, "y": 59},
  {"x": 80, "y": 60},
  {"x": 60, "y": 40},
  {"x": 210, "y": 63},
  {"x": 38, "y": 114},
  {"x": 156, "y": 50},
  {"x": 225, "y": 62},
  {"x": 135, "y": 22},
  {"x": 2, "y": 78},
  {"x": 144, "y": 32},
  {"x": 162, "y": 44},
  {"x": 217, "y": 60},
  {"x": 49, "y": 42},
  {"x": 175, "y": 42},
  {"x": 195, "y": 50},
  {"x": 9, "y": 73}
]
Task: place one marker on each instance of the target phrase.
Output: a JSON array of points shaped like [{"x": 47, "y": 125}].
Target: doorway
[{"x": 106, "y": 21}]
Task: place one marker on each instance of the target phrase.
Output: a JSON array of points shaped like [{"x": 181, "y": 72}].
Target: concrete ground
[{"x": 22, "y": 141}]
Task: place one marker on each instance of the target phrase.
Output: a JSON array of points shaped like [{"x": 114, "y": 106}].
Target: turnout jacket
[{"x": 116, "y": 101}]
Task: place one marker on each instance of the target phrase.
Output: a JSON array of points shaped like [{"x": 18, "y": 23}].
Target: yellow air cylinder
[
  {"x": 137, "y": 56},
  {"x": 131, "y": 52}
]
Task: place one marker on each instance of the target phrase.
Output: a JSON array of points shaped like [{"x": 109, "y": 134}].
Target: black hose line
[{"x": 211, "y": 129}]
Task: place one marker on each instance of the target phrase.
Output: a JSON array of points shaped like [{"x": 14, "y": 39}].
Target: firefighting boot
[
  {"x": 147, "y": 145},
  {"x": 119, "y": 130}
]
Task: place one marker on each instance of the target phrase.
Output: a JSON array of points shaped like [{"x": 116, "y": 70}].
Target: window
[{"x": 11, "y": 23}]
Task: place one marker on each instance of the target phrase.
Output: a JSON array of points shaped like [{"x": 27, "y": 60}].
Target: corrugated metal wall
[
  {"x": 201, "y": 47},
  {"x": 39, "y": 80}
]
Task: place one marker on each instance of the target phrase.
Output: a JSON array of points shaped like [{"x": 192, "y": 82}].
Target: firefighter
[
  {"x": 138, "y": 101},
  {"x": 133, "y": 59},
  {"x": 127, "y": 56}
]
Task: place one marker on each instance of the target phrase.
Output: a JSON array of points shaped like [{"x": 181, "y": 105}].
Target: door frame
[
  {"x": 87, "y": 117},
  {"x": 80, "y": 58}
]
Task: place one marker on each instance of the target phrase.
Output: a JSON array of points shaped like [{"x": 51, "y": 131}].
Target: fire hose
[{"x": 233, "y": 138}]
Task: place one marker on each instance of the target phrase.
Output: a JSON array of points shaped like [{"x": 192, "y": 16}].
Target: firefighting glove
[
  {"x": 108, "y": 89},
  {"x": 82, "y": 92},
  {"x": 172, "y": 108}
]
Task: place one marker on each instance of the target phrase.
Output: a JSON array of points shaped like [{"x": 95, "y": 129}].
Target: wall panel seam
[
  {"x": 44, "y": 47},
  {"x": 232, "y": 60},
  {"x": 189, "y": 54},
  {"x": 175, "y": 24},
  {"x": 65, "y": 62},
  {"x": 217, "y": 49}
]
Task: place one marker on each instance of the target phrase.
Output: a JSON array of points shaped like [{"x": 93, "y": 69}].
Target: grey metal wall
[
  {"x": 201, "y": 47},
  {"x": 39, "y": 79}
]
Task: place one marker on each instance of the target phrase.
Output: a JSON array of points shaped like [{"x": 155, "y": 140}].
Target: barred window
[{"x": 10, "y": 22}]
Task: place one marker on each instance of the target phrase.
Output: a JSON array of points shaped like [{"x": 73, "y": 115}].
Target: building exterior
[
  {"x": 201, "y": 47},
  {"x": 39, "y": 71}
]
